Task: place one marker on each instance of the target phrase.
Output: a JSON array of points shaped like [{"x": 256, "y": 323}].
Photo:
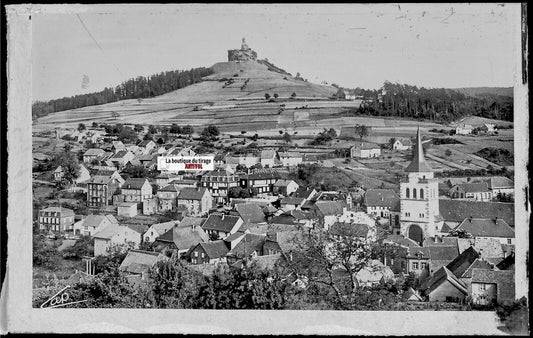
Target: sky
[{"x": 352, "y": 45}]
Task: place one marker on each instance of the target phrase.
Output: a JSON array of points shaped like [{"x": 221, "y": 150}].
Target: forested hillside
[
  {"x": 439, "y": 104},
  {"x": 137, "y": 88}
]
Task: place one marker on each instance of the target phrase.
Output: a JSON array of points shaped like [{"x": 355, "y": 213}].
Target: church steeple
[{"x": 418, "y": 163}]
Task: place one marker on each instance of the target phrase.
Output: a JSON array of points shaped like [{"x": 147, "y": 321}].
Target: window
[
  {"x": 203, "y": 255},
  {"x": 482, "y": 287},
  {"x": 415, "y": 265},
  {"x": 509, "y": 241},
  {"x": 414, "y": 193},
  {"x": 196, "y": 254},
  {"x": 407, "y": 193},
  {"x": 422, "y": 192},
  {"x": 424, "y": 265}
]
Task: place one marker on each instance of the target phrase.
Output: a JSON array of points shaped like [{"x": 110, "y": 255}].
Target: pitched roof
[
  {"x": 303, "y": 192},
  {"x": 161, "y": 228},
  {"x": 474, "y": 187},
  {"x": 250, "y": 213},
  {"x": 404, "y": 241},
  {"x": 287, "y": 240},
  {"x": 282, "y": 183},
  {"x": 366, "y": 146},
  {"x": 64, "y": 211},
  {"x": 189, "y": 221},
  {"x": 192, "y": 193},
  {"x": 119, "y": 154},
  {"x": 486, "y": 227},
  {"x": 247, "y": 245},
  {"x": 134, "y": 183},
  {"x": 93, "y": 152},
  {"x": 499, "y": 182},
  {"x": 139, "y": 228},
  {"x": 107, "y": 232},
  {"x": 381, "y": 197},
  {"x": 418, "y": 163},
  {"x": 442, "y": 275},
  {"x": 268, "y": 153},
  {"x": 487, "y": 247},
  {"x": 461, "y": 263},
  {"x": 139, "y": 261},
  {"x": 292, "y": 200},
  {"x": 329, "y": 207},
  {"x": 477, "y": 264},
  {"x": 220, "y": 222},
  {"x": 215, "y": 249},
  {"x": 458, "y": 210},
  {"x": 94, "y": 221},
  {"x": 184, "y": 237},
  {"x": 443, "y": 252},
  {"x": 507, "y": 263},
  {"x": 259, "y": 174},
  {"x": 170, "y": 188}
]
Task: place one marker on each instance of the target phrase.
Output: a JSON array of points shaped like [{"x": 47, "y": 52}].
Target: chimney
[{"x": 470, "y": 219}]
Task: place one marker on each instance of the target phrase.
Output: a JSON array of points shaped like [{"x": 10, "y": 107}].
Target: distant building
[
  {"x": 405, "y": 144},
  {"x": 197, "y": 201},
  {"x": 136, "y": 190},
  {"x": 379, "y": 202},
  {"x": 365, "y": 150},
  {"x": 56, "y": 219},
  {"x": 93, "y": 154},
  {"x": 495, "y": 228},
  {"x": 137, "y": 264},
  {"x": 123, "y": 237},
  {"x": 243, "y": 54},
  {"x": 268, "y": 158},
  {"x": 209, "y": 253},
  {"x": 156, "y": 230},
  {"x": 500, "y": 184},
  {"x": 221, "y": 225},
  {"x": 465, "y": 129},
  {"x": 492, "y": 285},
  {"x": 93, "y": 224},
  {"x": 83, "y": 175},
  {"x": 218, "y": 182},
  {"x": 181, "y": 238},
  {"x": 472, "y": 191},
  {"x": 285, "y": 187},
  {"x": 167, "y": 197},
  {"x": 263, "y": 180},
  {"x": 290, "y": 158}
]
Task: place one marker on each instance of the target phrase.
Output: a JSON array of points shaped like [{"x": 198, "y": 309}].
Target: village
[{"x": 452, "y": 238}]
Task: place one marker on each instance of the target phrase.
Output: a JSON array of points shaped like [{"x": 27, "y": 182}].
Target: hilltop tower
[
  {"x": 243, "y": 54},
  {"x": 419, "y": 198}
]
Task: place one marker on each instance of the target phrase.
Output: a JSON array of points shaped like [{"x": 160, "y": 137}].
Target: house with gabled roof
[
  {"x": 285, "y": 187},
  {"x": 182, "y": 237},
  {"x": 101, "y": 188},
  {"x": 93, "y": 223},
  {"x": 147, "y": 146},
  {"x": 249, "y": 245},
  {"x": 268, "y": 158},
  {"x": 290, "y": 158},
  {"x": 197, "y": 201},
  {"x": 222, "y": 225},
  {"x": 329, "y": 212},
  {"x": 455, "y": 211},
  {"x": 472, "y": 191},
  {"x": 93, "y": 154},
  {"x": 56, "y": 219},
  {"x": 495, "y": 228},
  {"x": 137, "y": 264},
  {"x": 219, "y": 181},
  {"x": 499, "y": 184},
  {"x": 117, "y": 146},
  {"x": 121, "y": 157},
  {"x": 492, "y": 285},
  {"x": 305, "y": 192},
  {"x": 402, "y": 144},
  {"x": 292, "y": 203},
  {"x": 157, "y": 229},
  {"x": 444, "y": 286},
  {"x": 209, "y": 252},
  {"x": 250, "y": 213},
  {"x": 120, "y": 236},
  {"x": 379, "y": 202},
  {"x": 83, "y": 174},
  {"x": 136, "y": 190},
  {"x": 259, "y": 180},
  {"x": 167, "y": 197},
  {"x": 365, "y": 150}
]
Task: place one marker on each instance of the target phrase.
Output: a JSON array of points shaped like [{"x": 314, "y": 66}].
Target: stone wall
[{"x": 241, "y": 55}]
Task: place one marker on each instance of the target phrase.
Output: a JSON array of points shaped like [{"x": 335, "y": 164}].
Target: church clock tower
[{"x": 419, "y": 198}]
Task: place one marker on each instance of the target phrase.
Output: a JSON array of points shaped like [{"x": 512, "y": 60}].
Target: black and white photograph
[{"x": 347, "y": 169}]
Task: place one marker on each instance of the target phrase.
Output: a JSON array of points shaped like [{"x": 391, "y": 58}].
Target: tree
[
  {"x": 332, "y": 259},
  {"x": 152, "y": 129},
  {"x": 138, "y": 128},
  {"x": 362, "y": 130},
  {"x": 392, "y": 140},
  {"x": 115, "y": 115},
  {"x": 81, "y": 127},
  {"x": 448, "y": 152},
  {"x": 287, "y": 138},
  {"x": 95, "y": 125},
  {"x": 210, "y": 133},
  {"x": 238, "y": 192},
  {"x": 293, "y": 95},
  {"x": 267, "y": 96},
  {"x": 276, "y": 95}
]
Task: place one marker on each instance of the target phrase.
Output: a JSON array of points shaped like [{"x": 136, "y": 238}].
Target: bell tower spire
[{"x": 418, "y": 163}]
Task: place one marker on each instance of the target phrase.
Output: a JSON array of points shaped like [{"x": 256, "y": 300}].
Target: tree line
[
  {"x": 436, "y": 104},
  {"x": 136, "y": 88}
]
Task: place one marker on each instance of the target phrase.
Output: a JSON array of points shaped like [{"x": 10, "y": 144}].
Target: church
[{"x": 418, "y": 216}]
